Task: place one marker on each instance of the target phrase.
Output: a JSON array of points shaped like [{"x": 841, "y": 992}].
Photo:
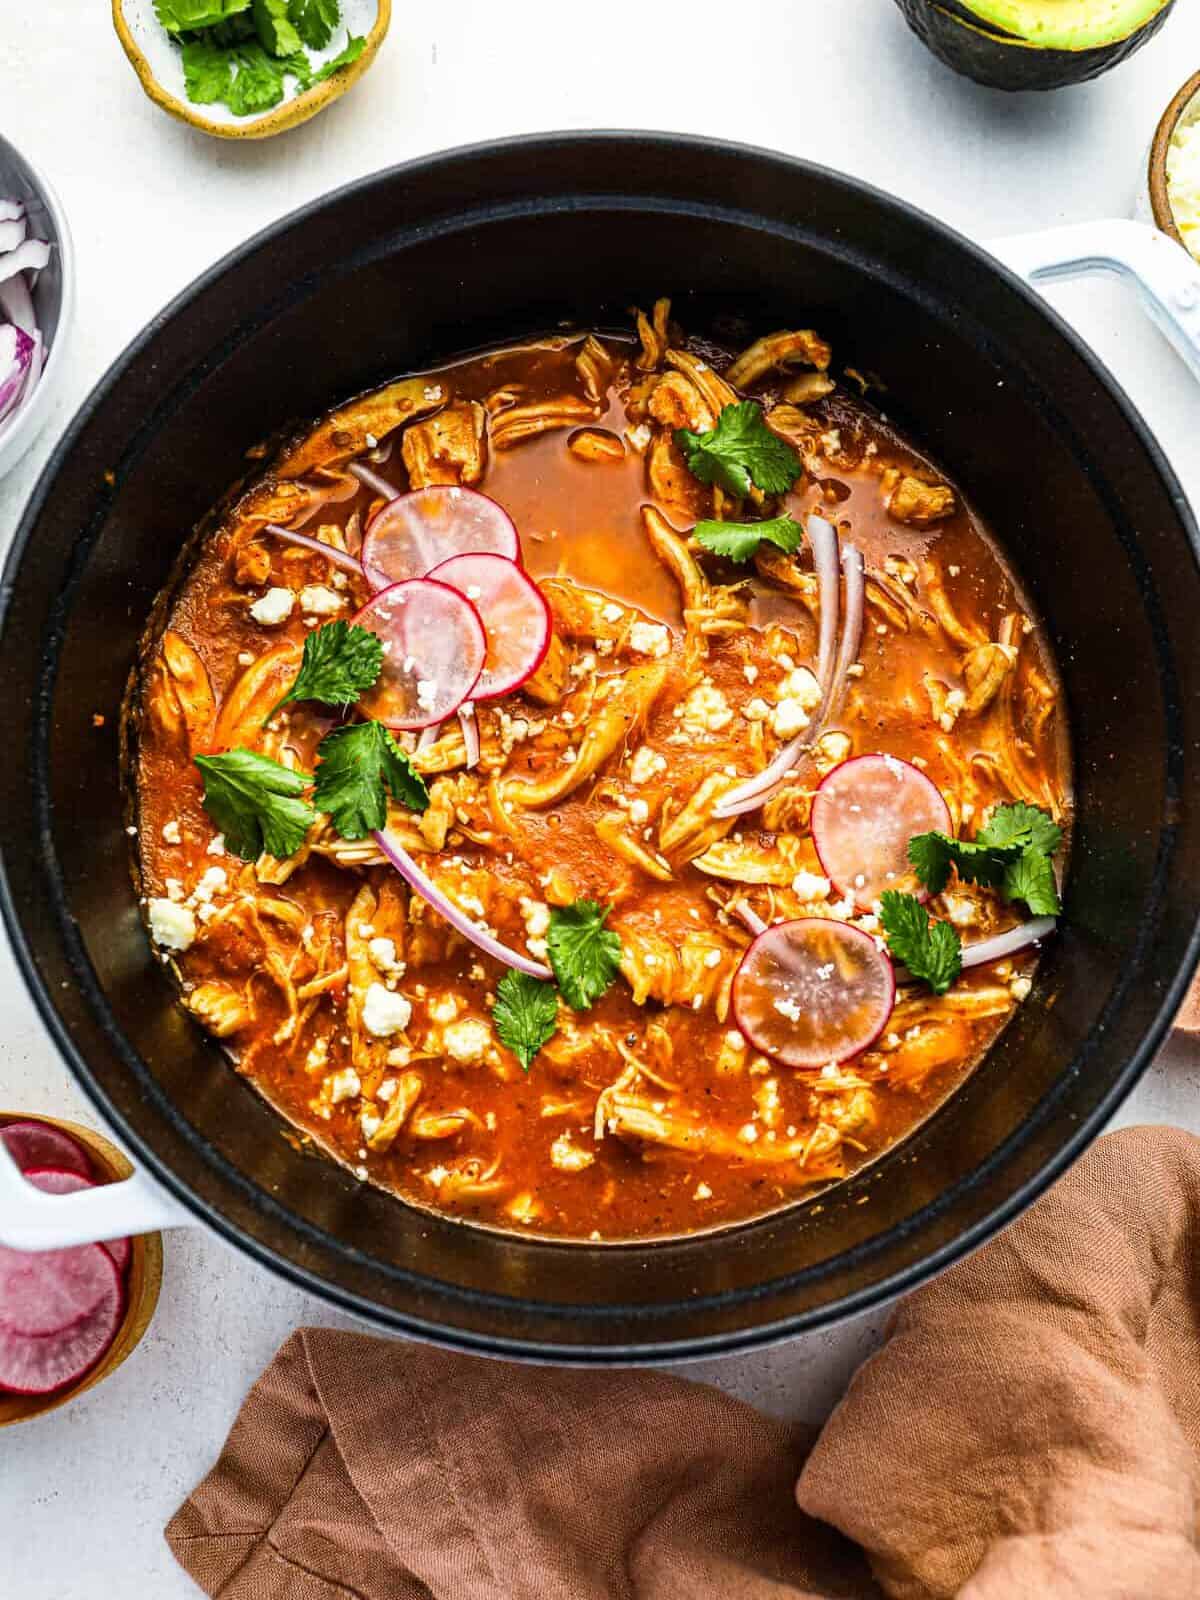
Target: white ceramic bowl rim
[{"x": 17, "y": 432}]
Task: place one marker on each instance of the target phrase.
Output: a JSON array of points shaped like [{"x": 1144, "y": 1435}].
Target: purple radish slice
[
  {"x": 45, "y": 1291},
  {"x": 54, "y": 1180},
  {"x": 434, "y": 647},
  {"x": 863, "y": 815},
  {"x": 42, "y": 1363},
  {"x": 813, "y": 991},
  {"x": 37, "y": 1144},
  {"x": 515, "y": 615},
  {"x": 416, "y": 532}
]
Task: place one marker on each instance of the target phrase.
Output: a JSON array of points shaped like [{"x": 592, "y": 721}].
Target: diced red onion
[
  {"x": 1008, "y": 944},
  {"x": 318, "y": 546},
  {"x": 445, "y": 907},
  {"x": 470, "y": 732},
  {"x": 21, "y": 346},
  {"x": 31, "y": 256},
  {"x": 372, "y": 480}
]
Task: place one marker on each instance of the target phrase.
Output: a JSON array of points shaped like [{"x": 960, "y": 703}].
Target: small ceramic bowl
[
  {"x": 53, "y": 297},
  {"x": 143, "y": 1281},
  {"x": 1181, "y": 108},
  {"x": 156, "y": 60}
]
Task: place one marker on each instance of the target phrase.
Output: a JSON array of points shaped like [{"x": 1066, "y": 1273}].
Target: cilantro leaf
[
  {"x": 182, "y": 16},
  {"x": 259, "y": 82},
  {"x": 1021, "y": 824},
  {"x": 256, "y": 803},
  {"x": 525, "y": 1014},
  {"x": 315, "y": 20},
  {"x": 340, "y": 662},
  {"x": 354, "y": 48},
  {"x": 740, "y": 540},
  {"x": 360, "y": 765},
  {"x": 932, "y": 951},
  {"x": 933, "y": 854},
  {"x": 206, "y": 72},
  {"x": 1031, "y": 878},
  {"x": 275, "y": 31},
  {"x": 741, "y": 452},
  {"x": 584, "y": 953},
  {"x": 300, "y": 68}
]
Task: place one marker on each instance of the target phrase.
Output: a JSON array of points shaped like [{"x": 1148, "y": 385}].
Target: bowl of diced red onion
[{"x": 36, "y": 300}]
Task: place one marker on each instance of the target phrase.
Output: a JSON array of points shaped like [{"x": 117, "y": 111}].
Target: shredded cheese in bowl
[{"x": 1183, "y": 177}]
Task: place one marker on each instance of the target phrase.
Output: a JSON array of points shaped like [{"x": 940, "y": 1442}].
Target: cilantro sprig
[
  {"x": 740, "y": 453},
  {"x": 359, "y": 766},
  {"x": 738, "y": 541},
  {"x": 241, "y": 53},
  {"x": 525, "y": 1014},
  {"x": 1012, "y": 854},
  {"x": 584, "y": 954},
  {"x": 256, "y": 802},
  {"x": 930, "y": 950},
  {"x": 340, "y": 662}
]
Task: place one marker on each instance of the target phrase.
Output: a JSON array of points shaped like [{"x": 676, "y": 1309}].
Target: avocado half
[{"x": 1034, "y": 44}]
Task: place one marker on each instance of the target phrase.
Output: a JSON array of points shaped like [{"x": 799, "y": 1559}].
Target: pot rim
[{"x": 648, "y": 1349}]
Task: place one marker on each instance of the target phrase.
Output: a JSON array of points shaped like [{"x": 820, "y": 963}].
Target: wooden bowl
[
  {"x": 143, "y": 1281},
  {"x": 1160, "y": 198}
]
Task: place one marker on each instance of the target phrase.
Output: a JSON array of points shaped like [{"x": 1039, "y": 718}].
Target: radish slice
[
  {"x": 43, "y": 1292},
  {"x": 813, "y": 991},
  {"x": 1008, "y": 944},
  {"x": 41, "y": 1363},
  {"x": 514, "y": 612},
  {"x": 434, "y": 647},
  {"x": 57, "y": 1180},
  {"x": 863, "y": 816},
  {"x": 417, "y": 531},
  {"x": 37, "y": 1144}
]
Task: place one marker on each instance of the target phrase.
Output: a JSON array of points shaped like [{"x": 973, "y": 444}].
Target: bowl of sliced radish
[{"x": 68, "y": 1318}]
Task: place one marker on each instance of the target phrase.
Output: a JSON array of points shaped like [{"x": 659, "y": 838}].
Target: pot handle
[
  {"x": 1165, "y": 275},
  {"x": 32, "y": 1220}
]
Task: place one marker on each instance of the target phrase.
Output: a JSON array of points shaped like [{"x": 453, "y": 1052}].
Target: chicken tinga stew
[{"x": 607, "y": 788}]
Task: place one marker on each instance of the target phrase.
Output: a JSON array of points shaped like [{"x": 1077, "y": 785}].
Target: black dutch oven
[{"x": 442, "y": 256}]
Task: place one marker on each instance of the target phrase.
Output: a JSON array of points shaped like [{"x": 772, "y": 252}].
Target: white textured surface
[{"x": 84, "y": 1494}]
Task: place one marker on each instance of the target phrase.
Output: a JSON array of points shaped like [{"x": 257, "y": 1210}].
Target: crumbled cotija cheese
[
  {"x": 171, "y": 925},
  {"x": 385, "y": 1012},
  {"x": 467, "y": 1041},
  {"x": 1183, "y": 178},
  {"x": 646, "y": 764},
  {"x": 273, "y": 608},
  {"x": 318, "y": 601},
  {"x": 649, "y": 638}
]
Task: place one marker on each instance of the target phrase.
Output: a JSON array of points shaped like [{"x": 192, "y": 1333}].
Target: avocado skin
[{"x": 1000, "y": 61}]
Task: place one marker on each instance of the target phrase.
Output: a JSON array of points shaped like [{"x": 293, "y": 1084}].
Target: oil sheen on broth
[{"x": 667, "y": 683}]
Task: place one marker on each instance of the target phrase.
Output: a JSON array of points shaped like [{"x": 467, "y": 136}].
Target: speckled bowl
[
  {"x": 1159, "y": 192},
  {"x": 143, "y": 1280},
  {"x": 156, "y": 61}
]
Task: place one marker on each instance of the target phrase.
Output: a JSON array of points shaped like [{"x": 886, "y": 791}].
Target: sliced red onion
[
  {"x": 12, "y": 233},
  {"x": 445, "y": 907},
  {"x": 330, "y": 552},
  {"x": 16, "y": 302},
  {"x": 326, "y": 495},
  {"x": 11, "y": 210},
  {"x": 1008, "y": 944},
  {"x": 824, "y": 540},
  {"x": 750, "y": 917},
  {"x": 470, "y": 732},
  {"x": 372, "y": 480},
  {"x": 756, "y": 791},
  {"x": 430, "y": 735},
  {"x": 31, "y": 256}
]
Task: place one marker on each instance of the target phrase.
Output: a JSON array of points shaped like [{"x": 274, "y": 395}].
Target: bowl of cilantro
[{"x": 248, "y": 69}]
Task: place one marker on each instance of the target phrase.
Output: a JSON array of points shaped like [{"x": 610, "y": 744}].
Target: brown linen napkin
[{"x": 1029, "y": 1431}]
